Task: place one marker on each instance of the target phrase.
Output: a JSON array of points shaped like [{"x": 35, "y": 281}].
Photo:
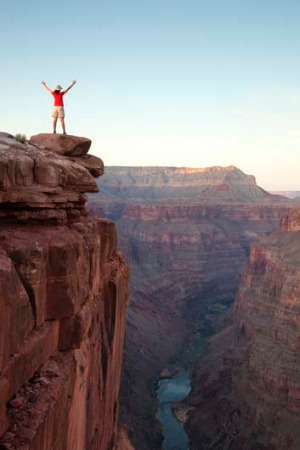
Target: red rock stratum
[{"x": 63, "y": 299}]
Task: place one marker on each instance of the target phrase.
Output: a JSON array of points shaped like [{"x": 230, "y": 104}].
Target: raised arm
[
  {"x": 46, "y": 87},
  {"x": 71, "y": 85}
]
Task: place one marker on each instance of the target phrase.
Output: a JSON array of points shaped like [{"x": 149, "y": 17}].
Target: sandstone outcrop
[
  {"x": 246, "y": 391},
  {"x": 63, "y": 299},
  {"x": 61, "y": 144},
  {"x": 186, "y": 234},
  {"x": 39, "y": 184}
]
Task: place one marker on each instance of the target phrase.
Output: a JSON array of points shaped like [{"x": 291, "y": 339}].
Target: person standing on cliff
[{"x": 58, "y": 109}]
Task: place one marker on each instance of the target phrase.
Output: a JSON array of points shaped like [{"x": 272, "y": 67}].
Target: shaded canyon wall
[{"x": 246, "y": 390}]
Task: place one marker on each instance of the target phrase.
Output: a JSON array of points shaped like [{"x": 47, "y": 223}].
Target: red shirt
[{"x": 58, "y": 98}]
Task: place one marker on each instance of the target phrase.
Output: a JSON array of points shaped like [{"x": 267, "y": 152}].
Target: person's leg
[
  {"x": 63, "y": 125},
  {"x": 55, "y": 116},
  {"x": 54, "y": 124},
  {"x": 62, "y": 119}
]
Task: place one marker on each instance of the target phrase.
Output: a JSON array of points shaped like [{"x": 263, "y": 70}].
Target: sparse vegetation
[{"x": 21, "y": 138}]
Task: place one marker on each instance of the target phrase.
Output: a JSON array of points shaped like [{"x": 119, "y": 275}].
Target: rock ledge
[{"x": 39, "y": 181}]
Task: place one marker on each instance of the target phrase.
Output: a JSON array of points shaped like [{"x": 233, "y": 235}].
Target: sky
[{"x": 185, "y": 83}]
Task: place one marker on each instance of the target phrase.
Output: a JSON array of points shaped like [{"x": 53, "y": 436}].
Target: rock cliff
[
  {"x": 225, "y": 184},
  {"x": 246, "y": 391},
  {"x": 63, "y": 299},
  {"x": 186, "y": 234}
]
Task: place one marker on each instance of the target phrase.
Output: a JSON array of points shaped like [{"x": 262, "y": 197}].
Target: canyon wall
[
  {"x": 63, "y": 300},
  {"x": 246, "y": 390},
  {"x": 186, "y": 234}
]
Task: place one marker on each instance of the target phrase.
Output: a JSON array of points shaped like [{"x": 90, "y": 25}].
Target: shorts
[{"x": 58, "y": 111}]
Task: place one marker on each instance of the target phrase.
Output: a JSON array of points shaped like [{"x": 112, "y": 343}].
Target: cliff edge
[{"x": 64, "y": 292}]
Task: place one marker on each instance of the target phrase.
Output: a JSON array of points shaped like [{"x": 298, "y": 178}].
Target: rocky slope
[
  {"x": 246, "y": 392},
  {"x": 63, "y": 298},
  {"x": 290, "y": 194},
  {"x": 186, "y": 234}
]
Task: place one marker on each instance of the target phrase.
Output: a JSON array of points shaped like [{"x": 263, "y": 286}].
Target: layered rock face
[
  {"x": 64, "y": 292},
  {"x": 157, "y": 183},
  {"x": 247, "y": 390},
  {"x": 186, "y": 234}
]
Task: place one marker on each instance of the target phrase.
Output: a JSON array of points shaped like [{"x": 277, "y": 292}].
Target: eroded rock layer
[
  {"x": 246, "y": 391},
  {"x": 63, "y": 298},
  {"x": 186, "y": 234}
]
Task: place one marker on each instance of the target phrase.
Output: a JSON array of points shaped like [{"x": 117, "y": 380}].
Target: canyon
[
  {"x": 186, "y": 235},
  {"x": 64, "y": 295},
  {"x": 209, "y": 271}
]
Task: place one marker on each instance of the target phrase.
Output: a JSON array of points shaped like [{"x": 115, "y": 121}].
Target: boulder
[
  {"x": 65, "y": 145},
  {"x": 3, "y": 134}
]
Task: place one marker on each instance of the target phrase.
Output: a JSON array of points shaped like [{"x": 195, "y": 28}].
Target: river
[
  {"x": 172, "y": 390},
  {"x": 175, "y": 389}
]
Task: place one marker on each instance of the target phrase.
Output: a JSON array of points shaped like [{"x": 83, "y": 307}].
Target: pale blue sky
[{"x": 179, "y": 83}]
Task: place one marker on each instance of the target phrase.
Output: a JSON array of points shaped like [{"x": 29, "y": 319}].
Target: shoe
[
  {"x": 64, "y": 132},
  {"x": 54, "y": 132}
]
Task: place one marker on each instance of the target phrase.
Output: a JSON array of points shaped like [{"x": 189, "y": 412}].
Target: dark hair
[{"x": 57, "y": 91}]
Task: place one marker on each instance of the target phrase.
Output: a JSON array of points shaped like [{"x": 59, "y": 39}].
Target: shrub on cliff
[{"x": 20, "y": 138}]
